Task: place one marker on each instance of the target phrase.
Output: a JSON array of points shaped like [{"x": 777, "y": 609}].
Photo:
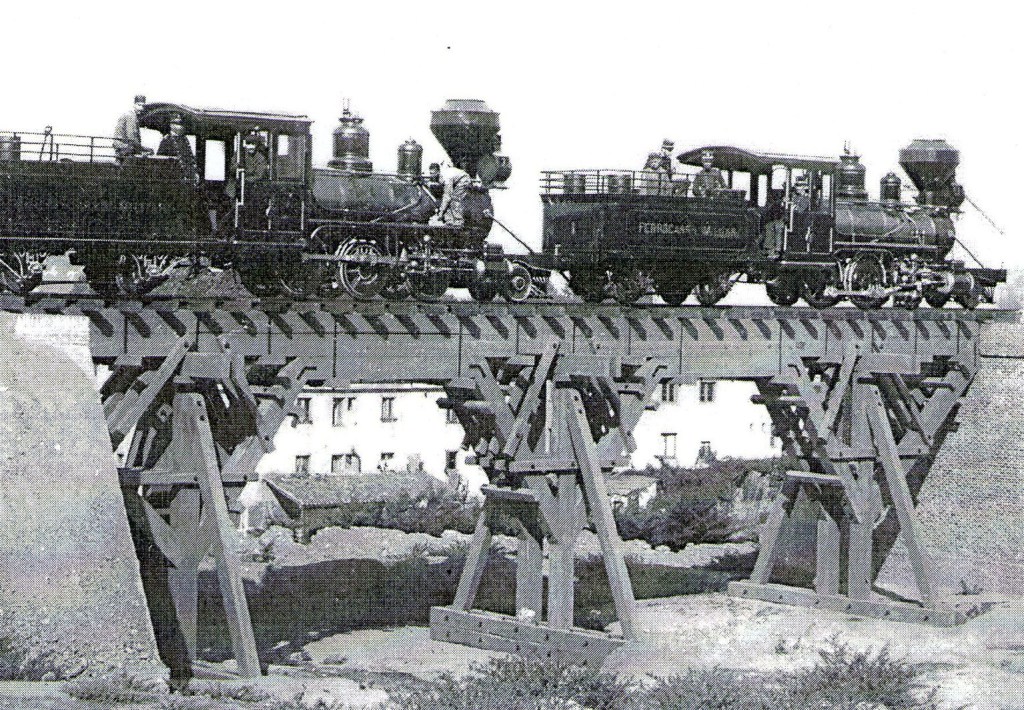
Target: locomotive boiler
[
  {"x": 803, "y": 226},
  {"x": 256, "y": 205}
]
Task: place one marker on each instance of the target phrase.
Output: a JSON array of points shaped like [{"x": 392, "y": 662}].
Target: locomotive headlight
[
  {"x": 426, "y": 238},
  {"x": 480, "y": 267}
]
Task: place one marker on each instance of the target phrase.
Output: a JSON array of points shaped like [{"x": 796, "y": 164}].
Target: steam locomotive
[
  {"x": 257, "y": 206},
  {"x": 802, "y": 226}
]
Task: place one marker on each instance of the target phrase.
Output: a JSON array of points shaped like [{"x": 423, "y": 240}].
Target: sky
[{"x": 578, "y": 85}]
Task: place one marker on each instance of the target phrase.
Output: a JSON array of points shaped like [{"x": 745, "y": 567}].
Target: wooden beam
[
  {"x": 896, "y": 478},
  {"x": 476, "y": 562},
  {"x": 595, "y": 489},
  {"x": 194, "y": 447}
]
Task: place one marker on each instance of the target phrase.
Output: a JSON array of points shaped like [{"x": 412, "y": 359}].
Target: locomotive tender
[
  {"x": 286, "y": 227},
  {"x": 804, "y": 228}
]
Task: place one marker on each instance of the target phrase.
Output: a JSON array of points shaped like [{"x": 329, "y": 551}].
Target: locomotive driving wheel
[
  {"x": 813, "y": 290},
  {"x": 867, "y": 275},
  {"x": 361, "y": 272},
  {"x": 20, "y": 272},
  {"x": 713, "y": 289},
  {"x": 782, "y": 290}
]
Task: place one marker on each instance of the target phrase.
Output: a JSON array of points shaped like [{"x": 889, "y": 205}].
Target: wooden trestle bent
[{"x": 548, "y": 396}]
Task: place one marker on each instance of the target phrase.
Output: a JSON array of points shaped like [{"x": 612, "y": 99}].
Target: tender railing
[
  {"x": 624, "y": 182},
  {"x": 53, "y": 147}
]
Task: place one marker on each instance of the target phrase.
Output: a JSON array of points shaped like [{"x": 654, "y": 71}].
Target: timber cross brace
[
  {"x": 199, "y": 423},
  {"x": 866, "y": 432},
  {"x": 862, "y": 399},
  {"x": 546, "y": 429}
]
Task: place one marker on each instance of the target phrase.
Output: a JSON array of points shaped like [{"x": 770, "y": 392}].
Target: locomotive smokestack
[
  {"x": 468, "y": 130},
  {"x": 931, "y": 166}
]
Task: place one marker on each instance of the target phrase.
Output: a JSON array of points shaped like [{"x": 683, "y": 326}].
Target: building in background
[
  {"x": 371, "y": 429},
  {"x": 695, "y": 423}
]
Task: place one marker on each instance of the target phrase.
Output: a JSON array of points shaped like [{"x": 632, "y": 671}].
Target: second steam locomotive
[{"x": 251, "y": 201}]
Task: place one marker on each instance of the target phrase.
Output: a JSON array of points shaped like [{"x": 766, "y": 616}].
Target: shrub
[
  {"x": 844, "y": 678},
  {"x": 520, "y": 683},
  {"x": 116, "y": 689},
  {"x": 433, "y": 510},
  {"x": 693, "y": 504}
]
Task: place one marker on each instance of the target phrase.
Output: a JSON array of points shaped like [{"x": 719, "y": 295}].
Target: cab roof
[
  {"x": 221, "y": 123},
  {"x": 731, "y": 158}
]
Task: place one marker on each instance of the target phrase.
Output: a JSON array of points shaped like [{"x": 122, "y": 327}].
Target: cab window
[{"x": 289, "y": 156}]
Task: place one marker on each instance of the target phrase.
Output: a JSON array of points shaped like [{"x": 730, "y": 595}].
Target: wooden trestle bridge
[{"x": 548, "y": 395}]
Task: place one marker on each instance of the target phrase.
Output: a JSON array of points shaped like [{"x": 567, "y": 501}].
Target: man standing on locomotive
[
  {"x": 709, "y": 180},
  {"x": 176, "y": 145},
  {"x": 456, "y": 183},
  {"x": 127, "y": 139}
]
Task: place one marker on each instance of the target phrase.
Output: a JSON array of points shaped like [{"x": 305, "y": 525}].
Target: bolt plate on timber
[
  {"x": 870, "y": 608},
  {"x": 497, "y": 632}
]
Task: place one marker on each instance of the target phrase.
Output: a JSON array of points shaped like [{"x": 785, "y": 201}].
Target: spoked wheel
[
  {"x": 516, "y": 288},
  {"x": 676, "y": 297},
  {"x": 428, "y": 287},
  {"x": 969, "y": 300},
  {"x": 867, "y": 275},
  {"x": 362, "y": 275},
  {"x": 909, "y": 300},
  {"x": 813, "y": 292},
  {"x": 588, "y": 284},
  {"x": 629, "y": 287},
  {"x": 20, "y": 272},
  {"x": 138, "y": 275},
  {"x": 482, "y": 289},
  {"x": 713, "y": 289},
  {"x": 783, "y": 290},
  {"x": 935, "y": 298}
]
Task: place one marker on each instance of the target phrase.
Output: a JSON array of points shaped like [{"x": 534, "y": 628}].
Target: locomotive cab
[{"x": 254, "y": 167}]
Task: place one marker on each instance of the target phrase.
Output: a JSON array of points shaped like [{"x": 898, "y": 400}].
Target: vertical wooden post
[
  {"x": 183, "y": 577},
  {"x": 529, "y": 567},
  {"x": 826, "y": 579},
  {"x": 194, "y": 450},
  {"x": 562, "y": 556},
  {"x": 859, "y": 569}
]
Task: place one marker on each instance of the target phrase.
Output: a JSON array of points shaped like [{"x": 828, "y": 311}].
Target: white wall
[
  {"x": 419, "y": 430},
  {"x": 733, "y": 425}
]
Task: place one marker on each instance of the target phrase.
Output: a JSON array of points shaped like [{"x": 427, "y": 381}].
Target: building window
[
  {"x": 341, "y": 405},
  {"x": 387, "y": 409},
  {"x": 451, "y": 460},
  {"x": 668, "y": 391},
  {"x": 300, "y": 415},
  {"x": 346, "y": 464},
  {"x": 451, "y": 417},
  {"x": 707, "y": 391},
  {"x": 302, "y": 465}
]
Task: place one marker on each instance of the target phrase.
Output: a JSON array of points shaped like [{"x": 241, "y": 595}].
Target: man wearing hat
[
  {"x": 709, "y": 180},
  {"x": 667, "y": 147},
  {"x": 127, "y": 140},
  {"x": 456, "y": 182},
  {"x": 653, "y": 179},
  {"x": 176, "y": 145}
]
